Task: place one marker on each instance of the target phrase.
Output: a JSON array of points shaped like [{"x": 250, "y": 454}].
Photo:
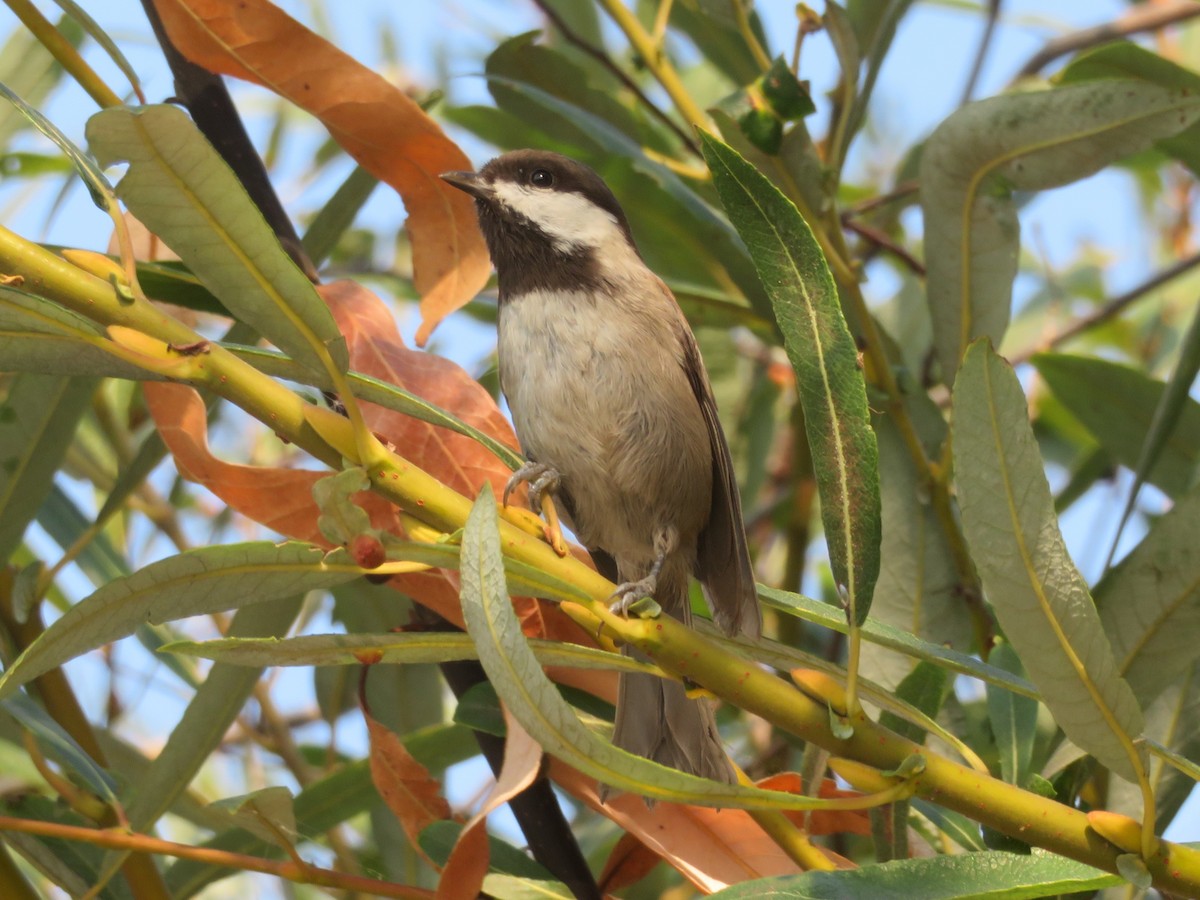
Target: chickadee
[{"x": 615, "y": 414}]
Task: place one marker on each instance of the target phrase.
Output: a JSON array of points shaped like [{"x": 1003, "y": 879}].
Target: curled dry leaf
[
  {"x": 280, "y": 499},
  {"x": 462, "y": 879},
  {"x": 387, "y": 133},
  {"x": 711, "y": 848},
  {"x": 821, "y": 821},
  {"x": 404, "y": 784}
]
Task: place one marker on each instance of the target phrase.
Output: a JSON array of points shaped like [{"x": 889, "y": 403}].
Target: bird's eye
[{"x": 541, "y": 178}]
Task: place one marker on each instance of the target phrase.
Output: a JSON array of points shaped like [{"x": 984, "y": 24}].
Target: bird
[{"x": 615, "y": 414}]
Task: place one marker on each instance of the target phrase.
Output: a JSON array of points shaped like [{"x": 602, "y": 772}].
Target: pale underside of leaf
[{"x": 1040, "y": 599}]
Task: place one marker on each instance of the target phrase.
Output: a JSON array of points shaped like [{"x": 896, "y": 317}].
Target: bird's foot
[
  {"x": 543, "y": 480},
  {"x": 666, "y": 541}
]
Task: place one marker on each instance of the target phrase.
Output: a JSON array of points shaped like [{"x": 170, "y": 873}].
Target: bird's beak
[{"x": 469, "y": 182}]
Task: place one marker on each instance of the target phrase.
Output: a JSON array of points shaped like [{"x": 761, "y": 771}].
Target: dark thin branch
[
  {"x": 1112, "y": 308},
  {"x": 884, "y": 242},
  {"x": 985, "y": 43},
  {"x": 536, "y": 809},
  {"x": 1148, "y": 17},
  {"x": 207, "y": 99},
  {"x": 605, "y": 60},
  {"x": 899, "y": 192}
]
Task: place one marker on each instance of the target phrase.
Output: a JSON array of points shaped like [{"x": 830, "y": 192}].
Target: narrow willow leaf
[
  {"x": 818, "y": 343},
  {"x": 884, "y": 635},
  {"x": 970, "y": 876},
  {"x": 208, "y": 716},
  {"x": 1171, "y": 722},
  {"x": 536, "y": 703},
  {"x": 1125, "y": 59},
  {"x": 1098, "y": 393},
  {"x": 1039, "y": 596},
  {"x": 98, "y": 187},
  {"x": 918, "y": 590},
  {"x": 1031, "y": 141},
  {"x": 31, "y": 72},
  {"x": 100, "y": 36},
  {"x": 182, "y": 190},
  {"x": 408, "y": 647},
  {"x": 1013, "y": 719},
  {"x": 1150, "y": 604},
  {"x": 198, "y": 582},
  {"x": 1167, "y": 415},
  {"x": 37, "y": 423},
  {"x": 61, "y": 746}
]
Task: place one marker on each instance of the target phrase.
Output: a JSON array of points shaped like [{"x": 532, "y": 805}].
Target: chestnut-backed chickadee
[{"x": 615, "y": 414}]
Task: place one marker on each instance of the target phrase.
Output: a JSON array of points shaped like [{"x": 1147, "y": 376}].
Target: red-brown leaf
[{"x": 375, "y": 122}]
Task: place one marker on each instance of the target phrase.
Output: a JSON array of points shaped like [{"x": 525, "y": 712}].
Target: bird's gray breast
[{"x": 597, "y": 391}]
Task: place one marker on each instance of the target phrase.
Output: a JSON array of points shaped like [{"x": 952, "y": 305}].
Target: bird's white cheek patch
[{"x": 571, "y": 220}]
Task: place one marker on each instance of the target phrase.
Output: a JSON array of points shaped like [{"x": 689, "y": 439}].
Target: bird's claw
[
  {"x": 628, "y": 594},
  {"x": 541, "y": 478}
]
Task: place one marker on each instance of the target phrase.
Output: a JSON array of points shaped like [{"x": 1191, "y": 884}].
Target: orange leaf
[
  {"x": 822, "y": 821},
  {"x": 711, "y": 848},
  {"x": 375, "y": 122},
  {"x": 629, "y": 862},
  {"x": 462, "y": 879},
  {"x": 376, "y": 349},
  {"x": 403, "y": 783}
]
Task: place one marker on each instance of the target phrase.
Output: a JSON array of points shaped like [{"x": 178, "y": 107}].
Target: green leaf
[
  {"x": 876, "y": 632},
  {"x": 1150, "y": 604},
  {"x": 208, "y": 715},
  {"x": 198, "y": 582},
  {"x": 823, "y": 354},
  {"x": 1167, "y": 415},
  {"x": 536, "y": 703},
  {"x": 410, "y": 648},
  {"x": 1099, "y": 393},
  {"x": 918, "y": 590},
  {"x": 984, "y": 152},
  {"x": 38, "y": 419},
  {"x": 1040, "y": 599},
  {"x": 98, "y": 187},
  {"x": 439, "y": 838},
  {"x": 1123, "y": 59},
  {"x": 39, "y": 336},
  {"x": 182, "y": 190},
  {"x": 522, "y": 59},
  {"x": 970, "y": 876},
  {"x": 60, "y": 745},
  {"x": 1013, "y": 719},
  {"x": 30, "y": 71},
  {"x": 925, "y": 689},
  {"x": 337, "y": 215}
]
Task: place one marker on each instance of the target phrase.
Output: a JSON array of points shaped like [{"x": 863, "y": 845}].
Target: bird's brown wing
[{"x": 723, "y": 560}]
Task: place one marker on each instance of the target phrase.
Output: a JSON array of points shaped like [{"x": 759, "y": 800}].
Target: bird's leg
[
  {"x": 666, "y": 541},
  {"x": 543, "y": 481}
]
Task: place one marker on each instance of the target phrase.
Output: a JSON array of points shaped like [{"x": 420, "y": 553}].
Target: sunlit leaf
[
  {"x": 1030, "y": 141},
  {"x": 795, "y": 276},
  {"x": 1039, "y": 596}
]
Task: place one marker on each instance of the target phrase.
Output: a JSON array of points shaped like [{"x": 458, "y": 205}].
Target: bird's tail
[{"x": 656, "y": 718}]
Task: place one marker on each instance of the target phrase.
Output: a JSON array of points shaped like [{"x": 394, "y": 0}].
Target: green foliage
[{"x": 891, "y": 462}]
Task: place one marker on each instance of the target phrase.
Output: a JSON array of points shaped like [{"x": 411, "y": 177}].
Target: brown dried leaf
[
  {"x": 404, "y": 784},
  {"x": 711, "y": 848},
  {"x": 462, "y": 879},
  {"x": 376, "y": 349},
  {"x": 821, "y": 821},
  {"x": 375, "y": 122},
  {"x": 629, "y": 862}
]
